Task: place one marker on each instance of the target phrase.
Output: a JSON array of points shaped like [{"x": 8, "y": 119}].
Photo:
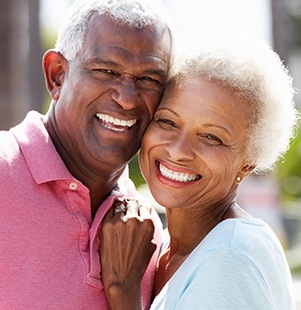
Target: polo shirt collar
[
  {"x": 43, "y": 160},
  {"x": 38, "y": 150}
]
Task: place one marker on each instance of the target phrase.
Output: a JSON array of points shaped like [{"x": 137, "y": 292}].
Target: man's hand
[{"x": 126, "y": 248}]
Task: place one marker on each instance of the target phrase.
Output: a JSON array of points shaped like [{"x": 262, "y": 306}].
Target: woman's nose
[{"x": 181, "y": 148}]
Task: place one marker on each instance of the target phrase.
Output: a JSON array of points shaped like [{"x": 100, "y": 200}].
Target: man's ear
[{"x": 54, "y": 67}]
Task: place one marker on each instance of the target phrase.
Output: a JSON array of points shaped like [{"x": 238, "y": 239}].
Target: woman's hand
[{"x": 125, "y": 251}]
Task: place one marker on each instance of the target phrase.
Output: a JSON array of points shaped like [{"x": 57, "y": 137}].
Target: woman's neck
[{"x": 187, "y": 228}]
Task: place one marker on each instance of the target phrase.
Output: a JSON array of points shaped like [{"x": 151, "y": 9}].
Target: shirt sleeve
[{"x": 224, "y": 279}]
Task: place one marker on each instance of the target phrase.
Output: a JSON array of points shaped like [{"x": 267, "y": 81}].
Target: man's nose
[{"x": 126, "y": 94}]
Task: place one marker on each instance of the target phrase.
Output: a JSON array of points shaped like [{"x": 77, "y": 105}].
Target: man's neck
[{"x": 100, "y": 180}]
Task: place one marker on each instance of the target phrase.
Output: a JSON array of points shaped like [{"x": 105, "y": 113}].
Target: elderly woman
[{"x": 228, "y": 111}]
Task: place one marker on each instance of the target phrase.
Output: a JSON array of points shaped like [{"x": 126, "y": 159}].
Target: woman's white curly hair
[
  {"x": 134, "y": 13},
  {"x": 254, "y": 71}
]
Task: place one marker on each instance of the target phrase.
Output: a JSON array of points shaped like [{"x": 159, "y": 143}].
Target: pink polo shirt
[{"x": 49, "y": 243}]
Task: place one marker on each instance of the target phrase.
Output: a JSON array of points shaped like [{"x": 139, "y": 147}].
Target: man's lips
[
  {"x": 176, "y": 175},
  {"x": 115, "y": 124}
]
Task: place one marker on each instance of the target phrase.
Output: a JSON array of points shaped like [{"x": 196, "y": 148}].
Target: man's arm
[{"x": 125, "y": 251}]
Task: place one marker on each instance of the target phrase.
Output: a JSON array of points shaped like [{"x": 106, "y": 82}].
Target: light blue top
[{"x": 239, "y": 265}]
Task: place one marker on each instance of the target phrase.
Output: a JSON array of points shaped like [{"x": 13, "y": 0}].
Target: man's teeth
[
  {"x": 116, "y": 121},
  {"x": 177, "y": 176}
]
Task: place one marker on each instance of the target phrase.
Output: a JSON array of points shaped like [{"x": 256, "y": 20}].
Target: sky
[{"x": 250, "y": 17}]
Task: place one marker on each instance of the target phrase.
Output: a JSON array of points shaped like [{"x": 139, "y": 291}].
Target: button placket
[{"x": 73, "y": 186}]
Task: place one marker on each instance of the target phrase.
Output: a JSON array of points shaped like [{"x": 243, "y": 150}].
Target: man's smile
[{"x": 115, "y": 124}]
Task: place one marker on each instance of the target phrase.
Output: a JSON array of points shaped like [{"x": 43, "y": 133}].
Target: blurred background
[{"x": 28, "y": 28}]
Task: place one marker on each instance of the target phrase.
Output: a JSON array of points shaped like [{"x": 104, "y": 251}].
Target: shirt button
[{"x": 73, "y": 186}]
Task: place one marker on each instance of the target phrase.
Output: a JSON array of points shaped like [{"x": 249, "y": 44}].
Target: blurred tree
[
  {"x": 21, "y": 79},
  {"x": 296, "y": 30},
  {"x": 295, "y": 21},
  {"x": 281, "y": 28},
  {"x": 286, "y": 36}
]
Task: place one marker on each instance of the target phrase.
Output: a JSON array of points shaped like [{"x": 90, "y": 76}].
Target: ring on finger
[
  {"x": 132, "y": 206},
  {"x": 144, "y": 213},
  {"x": 119, "y": 208}
]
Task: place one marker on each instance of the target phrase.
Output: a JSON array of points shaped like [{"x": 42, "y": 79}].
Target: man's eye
[
  {"x": 106, "y": 71},
  {"x": 147, "y": 80}
]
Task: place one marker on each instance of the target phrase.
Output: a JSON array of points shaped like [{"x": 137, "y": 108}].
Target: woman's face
[{"x": 193, "y": 150}]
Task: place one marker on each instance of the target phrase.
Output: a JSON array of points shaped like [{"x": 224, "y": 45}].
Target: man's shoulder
[
  {"x": 23, "y": 134},
  {"x": 8, "y": 146}
]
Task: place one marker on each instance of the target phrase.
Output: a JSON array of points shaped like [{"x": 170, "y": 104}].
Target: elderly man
[{"x": 61, "y": 172}]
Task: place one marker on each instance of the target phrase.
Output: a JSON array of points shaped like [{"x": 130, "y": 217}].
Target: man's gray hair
[{"x": 134, "y": 13}]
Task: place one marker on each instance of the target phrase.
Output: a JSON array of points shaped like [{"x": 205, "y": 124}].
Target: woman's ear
[
  {"x": 245, "y": 171},
  {"x": 54, "y": 67}
]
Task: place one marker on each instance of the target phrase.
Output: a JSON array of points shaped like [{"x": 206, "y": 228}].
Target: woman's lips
[{"x": 178, "y": 176}]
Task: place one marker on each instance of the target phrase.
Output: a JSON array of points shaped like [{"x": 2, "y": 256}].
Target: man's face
[{"x": 110, "y": 91}]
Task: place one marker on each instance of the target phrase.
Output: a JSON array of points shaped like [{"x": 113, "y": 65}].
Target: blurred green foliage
[
  {"x": 288, "y": 170},
  {"x": 48, "y": 39},
  {"x": 135, "y": 173}
]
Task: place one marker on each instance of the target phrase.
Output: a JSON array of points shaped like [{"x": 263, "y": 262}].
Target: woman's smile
[{"x": 175, "y": 175}]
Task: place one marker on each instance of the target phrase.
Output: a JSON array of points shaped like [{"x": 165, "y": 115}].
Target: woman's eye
[
  {"x": 166, "y": 123},
  {"x": 214, "y": 139}
]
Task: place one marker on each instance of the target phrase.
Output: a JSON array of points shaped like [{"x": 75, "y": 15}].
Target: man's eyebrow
[
  {"x": 160, "y": 71},
  {"x": 99, "y": 61}
]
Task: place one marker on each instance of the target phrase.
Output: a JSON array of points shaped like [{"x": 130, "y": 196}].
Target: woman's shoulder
[
  {"x": 247, "y": 244},
  {"x": 241, "y": 232},
  {"x": 245, "y": 240}
]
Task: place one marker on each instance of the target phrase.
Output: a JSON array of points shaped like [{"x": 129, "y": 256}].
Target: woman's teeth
[{"x": 178, "y": 176}]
